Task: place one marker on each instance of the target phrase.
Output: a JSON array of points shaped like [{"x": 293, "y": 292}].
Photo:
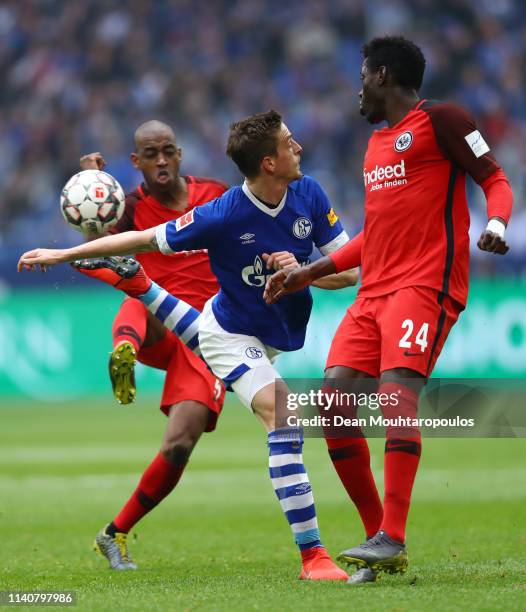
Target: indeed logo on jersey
[{"x": 385, "y": 176}]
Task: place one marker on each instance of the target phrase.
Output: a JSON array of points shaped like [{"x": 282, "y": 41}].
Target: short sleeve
[
  {"x": 196, "y": 229},
  {"x": 328, "y": 234}
]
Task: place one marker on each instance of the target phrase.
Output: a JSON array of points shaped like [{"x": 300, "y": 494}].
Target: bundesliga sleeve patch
[
  {"x": 332, "y": 216},
  {"x": 185, "y": 220},
  {"x": 477, "y": 144}
]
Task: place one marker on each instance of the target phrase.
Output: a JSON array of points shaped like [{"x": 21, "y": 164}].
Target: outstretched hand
[
  {"x": 493, "y": 243},
  {"x": 284, "y": 282},
  {"x": 40, "y": 258}
]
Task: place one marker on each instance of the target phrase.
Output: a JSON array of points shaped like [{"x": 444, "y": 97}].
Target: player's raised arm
[
  {"x": 346, "y": 261},
  {"x": 499, "y": 201},
  {"x": 92, "y": 161},
  {"x": 329, "y": 236},
  {"x": 119, "y": 244},
  {"x": 461, "y": 142}
]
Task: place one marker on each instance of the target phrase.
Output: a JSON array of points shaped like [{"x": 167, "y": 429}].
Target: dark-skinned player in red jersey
[
  {"x": 192, "y": 396},
  {"x": 414, "y": 254}
]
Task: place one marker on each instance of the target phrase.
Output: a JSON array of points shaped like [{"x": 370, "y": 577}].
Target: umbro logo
[{"x": 247, "y": 238}]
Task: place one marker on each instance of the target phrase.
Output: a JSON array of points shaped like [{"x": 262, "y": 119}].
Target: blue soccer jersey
[{"x": 237, "y": 229}]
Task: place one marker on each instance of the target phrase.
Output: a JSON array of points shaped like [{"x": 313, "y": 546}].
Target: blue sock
[
  {"x": 292, "y": 486},
  {"x": 175, "y": 314}
]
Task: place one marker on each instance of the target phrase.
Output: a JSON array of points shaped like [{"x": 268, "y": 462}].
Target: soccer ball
[{"x": 92, "y": 201}]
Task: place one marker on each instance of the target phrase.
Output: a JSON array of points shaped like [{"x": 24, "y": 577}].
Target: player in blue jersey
[{"x": 275, "y": 209}]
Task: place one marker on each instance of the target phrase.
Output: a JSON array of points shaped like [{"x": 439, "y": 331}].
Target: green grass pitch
[{"x": 219, "y": 541}]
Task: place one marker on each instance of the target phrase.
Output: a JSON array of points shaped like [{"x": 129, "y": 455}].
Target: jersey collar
[
  {"x": 396, "y": 126},
  {"x": 272, "y": 212},
  {"x": 145, "y": 194}
]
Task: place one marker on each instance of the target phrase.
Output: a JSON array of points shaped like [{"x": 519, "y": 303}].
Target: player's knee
[
  {"x": 256, "y": 389},
  {"x": 177, "y": 450},
  {"x": 266, "y": 413},
  {"x": 155, "y": 331}
]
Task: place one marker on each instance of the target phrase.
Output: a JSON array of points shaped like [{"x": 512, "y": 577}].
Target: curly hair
[
  {"x": 253, "y": 138},
  {"x": 404, "y": 60}
]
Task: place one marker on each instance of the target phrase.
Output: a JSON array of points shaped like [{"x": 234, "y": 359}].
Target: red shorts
[
  {"x": 403, "y": 329},
  {"x": 187, "y": 378}
]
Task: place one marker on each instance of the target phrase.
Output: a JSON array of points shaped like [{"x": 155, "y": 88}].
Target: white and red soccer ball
[{"x": 92, "y": 202}]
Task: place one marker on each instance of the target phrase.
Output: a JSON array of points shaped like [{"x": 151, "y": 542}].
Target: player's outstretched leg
[
  {"x": 124, "y": 273},
  {"x": 127, "y": 274},
  {"x": 128, "y": 334},
  {"x": 121, "y": 368},
  {"x": 114, "y": 547}
]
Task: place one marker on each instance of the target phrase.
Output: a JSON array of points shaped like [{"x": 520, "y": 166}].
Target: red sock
[
  {"x": 130, "y": 323},
  {"x": 402, "y": 455},
  {"x": 158, "y": 480},
  {"x": 351, "y": 459}
]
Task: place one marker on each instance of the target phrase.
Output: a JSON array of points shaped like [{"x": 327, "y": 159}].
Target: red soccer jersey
[
  {"x": 186, "y": 274},
  {"x": 416, "y": 213}
]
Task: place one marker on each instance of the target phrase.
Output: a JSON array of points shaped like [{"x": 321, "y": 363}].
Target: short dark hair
[
  {"x": 404, "y": 60},
  {"x": 252, "y": 139}
]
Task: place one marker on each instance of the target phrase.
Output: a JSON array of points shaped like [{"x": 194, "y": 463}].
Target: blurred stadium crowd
[{"x": 80, "y": 76}]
